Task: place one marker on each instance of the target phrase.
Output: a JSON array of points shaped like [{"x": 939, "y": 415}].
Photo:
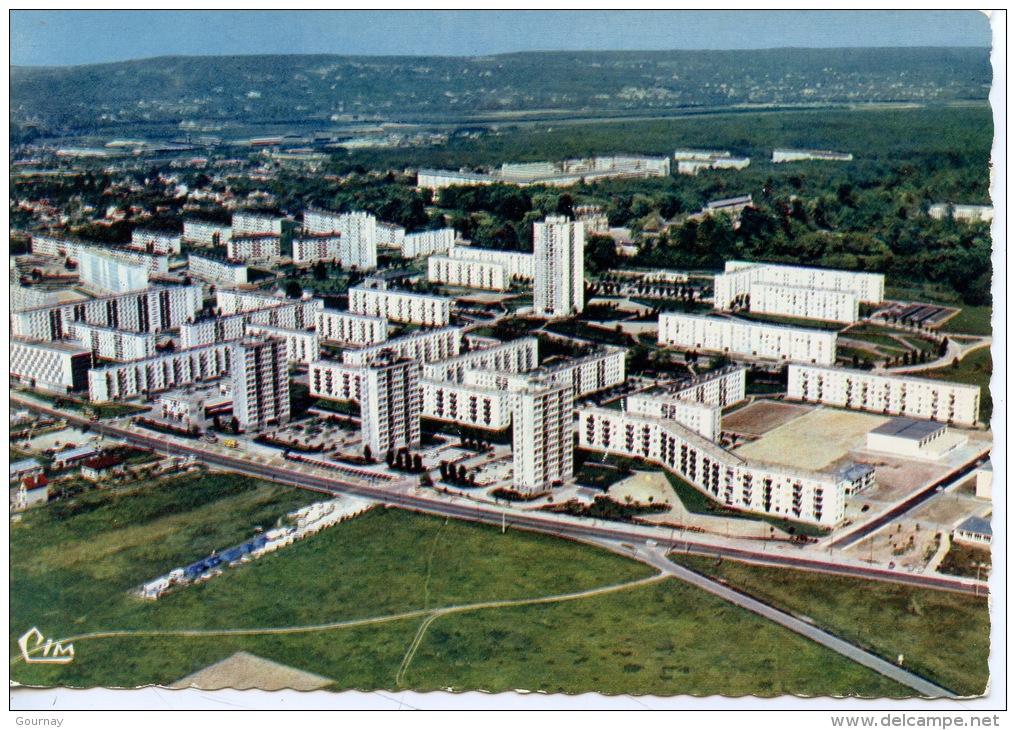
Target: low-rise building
[
  {"x": 30, "y": 491},
  {"x": 390, "y": 235},
  {"x": 102, "y": 466},
  {"x": 914, "y": 439},
  {"x": 54, "y": 367},
  {"x": 973, "y": 531},
  {"x": 25, "y": 468},
  {"x": 196, "y": 407},
  {"x": 894, "y": 395},
  {"x": 793, "y": 155},
  {"x": 471, "y": 405}
]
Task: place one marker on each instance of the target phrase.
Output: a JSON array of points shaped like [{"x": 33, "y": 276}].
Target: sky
[{"x": 64, "y": 37}]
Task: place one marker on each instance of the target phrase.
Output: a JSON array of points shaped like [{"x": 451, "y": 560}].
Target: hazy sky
[{"x": 61, "y": 37}]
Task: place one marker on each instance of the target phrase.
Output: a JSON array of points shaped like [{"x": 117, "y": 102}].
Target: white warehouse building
[
  {"x": 748, "y": 339},
  {"x": 895, "y": 395}
]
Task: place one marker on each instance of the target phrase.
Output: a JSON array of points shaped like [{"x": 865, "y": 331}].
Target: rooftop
[
  {"x": 908, "y": 428},
  {"x": 976, "y": 526}
]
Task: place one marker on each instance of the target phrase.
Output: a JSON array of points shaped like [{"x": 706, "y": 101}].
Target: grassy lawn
[
  {"x": 970, "y": 321},
  {"x": 974, "y": 369},
  {"x": 663, "y": 639},
  {"x": 942, "y": 636},
  {"x": 963, "y": 560},
  {"x": 601, "y": 477},
  {"x": 75, "y": 562},
  {"x": 577, "y": 328}
]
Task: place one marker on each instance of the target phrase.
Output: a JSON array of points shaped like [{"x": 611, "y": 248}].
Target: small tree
[
  {"x": 367, "y": 453},
  {"x": 417, "y": 462}
]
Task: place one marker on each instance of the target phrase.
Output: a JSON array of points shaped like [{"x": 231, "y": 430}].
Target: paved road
[
  {"x": 489, "y": 514},
  {"x": 855, "y": 653}
]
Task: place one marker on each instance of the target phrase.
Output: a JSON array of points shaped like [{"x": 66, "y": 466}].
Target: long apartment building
[
  {"x": 299, "y": 315},
  {"x": 153, "y": 310},
  {"x": 517, "y": 265},
  {"x": 796, "y": 291},
  {"x": 108, "y": 274},
  {"x": 894, "y": 395},
  {"x": 558, "y": 281},
  {"x": 467, "y": 404},
  {"x": 155, "y": 241},
  {"x": 390, "y": 235},
  {"x": 813, "y": 497},
  {"x": 358, "y": 233},
  {"x": 400, "y": 306},
  {"x": 739, "y": 338},
  {"x": 424, "y": 243},
  {"x": 160, "y": 373},
  {"x": 232, "y": 301},
  {"x": 795, "y": 155},
  {"x": 263, "y": 248},
  {"x": 471, "y": 274},
  {"x": 697, "y": 403},
  {"x": 430, "y": 346},
  {"x": 206, "y": 233},
  {"x": 302, "y": 345},
  {"x": 112, "y": 344},
  {"x": 260, "y": 380},
  {"x": 514, "y": 356},
  {"x": 323, "y": 247},
  {"x": 219, "y": 272},
  {"x": 250, "y": 223},
  {"x": 56, "y": 367},
  {"x": 72, "y": 249},
  {"x": 333, "y": 325}
]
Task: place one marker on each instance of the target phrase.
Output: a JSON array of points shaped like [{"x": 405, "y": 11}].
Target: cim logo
[{"x": 37, "y": 649}]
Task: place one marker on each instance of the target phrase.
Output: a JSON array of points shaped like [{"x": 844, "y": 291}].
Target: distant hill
[{"x": 325, "y": 89}]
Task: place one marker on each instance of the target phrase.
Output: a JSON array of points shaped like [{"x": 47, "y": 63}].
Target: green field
[
  {"x": 964, "y": 560},
  {"x": 943, "y": 637},
  {"x": 76, "y": 561},
  {"x": 970, "y": 321},
  {"x": 974, "y": 369}
]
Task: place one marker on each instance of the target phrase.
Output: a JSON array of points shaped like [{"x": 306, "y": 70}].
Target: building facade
[
  {"x": 353, "y": 329},
  {"x": 400, "y": 306},
  {"x": 297, "y": 316},
  {"x": 358, "y": 233},
  {"x": 260, "y": 382},
  {"x": 265, "y": 248},
  {"x": 55, "y": 367},
  {"x": 110, "y": 275},
  {"x": 204, "y": 233},
  {"x": 325, "y": 247},
  {"x": 425, "y": 243},
  {"x": 160, "y": 373},
  {"x": 155, "y": 241},
  {"x": 391, "y": 403},
  {"x": 518, "y": 265},
  {"x": 515, "y": 356},
  {"x": 747, "y": 339},
  {"x": 112, "y": 344},
  {"x": 471, "y": 274},
  {"x": 249, "y": 223},
  {"x": 302, "y": 346},
  {"x": 467, "y": 404},
  {"x": 426, "y": 347},
  {"x": 543, "y": 442},
  {"x": 790, "y": 155},
  {"x": 894, "y": 395},
  {"x": 558, "y": 282},
  {"x": 216, "y": 271}
]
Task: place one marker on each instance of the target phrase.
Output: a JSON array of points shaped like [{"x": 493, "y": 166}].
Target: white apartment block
[
  {"x": 390, "y": 406},
  {"x": 723, "y": 387},
  {"x": 691, "y": 162},
  {"x": 279, "y": 313},
  {"x": 336, "y": 380},
  {"x": 358, "y": 231},
  {"x": 467, "y": 404},
  {"x": 112, "y": 344},
  {"x": 155, "y": 241},
  {"x": 790, "y": 155},
  {"x": 894, "y": 395},
  {"x": 760, "y": 285},
  {"x": 160, "y": 373},
  {"x": 110, "y": 275},
  {"x": 230, "y": 301},
  {"x": 264, "y": 248},
  {"x": 515, "y": 356},
  {"x": 558, "y": 283},
  {"x": 425, "y": 347},
  {"x": 588, "y": 374},
  {"x": 24, "y": 297},
  {"x": 302, "y": 346},
  {"x": 747, "y": 339},
  {"x": 214, "y": 271},
  {"x": 325, "y": 247},
  {"x": 438, "y": 179},
  {"x": 260, "y": 379},
  {"x": 830, "y": 305},
  {"x": 354, "y": 329},
  {"x": 390, "y": 235},
  {"x": 425, "y": 243},
  {"x": 519, "y": 265},
  {"x": 542, "y": 438},
  {"x": 153, "y": 310},
  {"x": 471, "y": 274},
  {"x": 400, "y": 306},
  {"x": 701, "y": 418},
  {"x": 204, "y": 233},
  {"x": 73, "y": 248},
  {"x": 725, "y": 477},
  {"x": 593, "y": 219},
  {"x": 55, "y": 367},
  {"x": 248, "y": 223}
]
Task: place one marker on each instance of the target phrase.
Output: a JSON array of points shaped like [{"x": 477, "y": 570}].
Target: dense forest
[{"x": 300, "y": 90}]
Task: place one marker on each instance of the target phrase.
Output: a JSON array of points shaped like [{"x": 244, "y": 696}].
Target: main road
[{"x": 546, "y": 522}]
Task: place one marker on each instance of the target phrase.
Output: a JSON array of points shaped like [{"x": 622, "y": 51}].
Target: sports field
[
  {"x": 813, "y": 441},
  {"x": 761, "y": 417}
]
